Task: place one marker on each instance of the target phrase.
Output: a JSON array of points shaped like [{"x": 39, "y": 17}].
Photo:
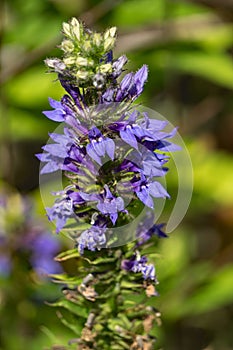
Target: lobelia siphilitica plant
[{"x": 111, "y": 155}]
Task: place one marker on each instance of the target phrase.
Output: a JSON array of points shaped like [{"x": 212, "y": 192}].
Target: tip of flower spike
[
  {"x": 85, "y": 55},
  {"x": 110, "y": 33},
  {"x": 110, "y": 38},
  {"x": 72, "y": 29}
]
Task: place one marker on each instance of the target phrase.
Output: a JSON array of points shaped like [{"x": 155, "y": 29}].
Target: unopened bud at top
[
  {"x": 74, "y": 22},
  {"x": 86, "y": 56},
  {"x": 109, "y": 43},
  {"x": 72, "y": 29},
  {"x": 75, "y": 27},
  {"x": 66, "y": 28},
  {"x": 110, "y": 33},
  {"x": 97, "y": 39}
]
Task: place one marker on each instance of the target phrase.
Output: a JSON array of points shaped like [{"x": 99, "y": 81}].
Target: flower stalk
[{"x": 113, "y": 156}]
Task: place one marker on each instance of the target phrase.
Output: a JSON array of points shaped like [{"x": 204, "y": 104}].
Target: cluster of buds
[{"x": 81, "y": 51}]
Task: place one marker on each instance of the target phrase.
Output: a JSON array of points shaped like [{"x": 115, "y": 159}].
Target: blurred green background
[{"x": 188, "y": 48}]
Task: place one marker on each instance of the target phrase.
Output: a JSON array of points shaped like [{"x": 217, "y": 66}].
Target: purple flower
[
  {"x": 128, "y": 129},
  {"x": 58, "y": 114},
  {"x": 153, "y": 138},
  {"x": 78, "y": 162},
  {"x": 136, "y": 130},
  {"x": 149, "y": 163},
  {"x": 110, "y": 205},
  {"x": 107, "y": 204},
  {"x": 99, "y": 145},
  {"x": 92, "y": 239},
  {"x": 63, "y": 112},
  {"x": 108, "y": 96},
  {"x": 139, "y": 264},
  {"x": 45, "y": 244},
  {"x": 147, "y": 228},
  {"x": 5, "y": 265},
  {"x": 44, "y": 265},
  {"x": 65, "y": 154},
  {"x": 63, "y": 208},
  {"x": 118, "y": 65},
  {"x": 128, "y": 166},
  {"x": 74, "y": 92},
  {"x": 140, "y": 78},
  {"x": 132, "y": 85},
  {"x": 44, "y": 247},
  {"x": 145, "y": 189},
  {"x": 127, "y": 134},
  {"x": 55, "y": 153},
  {"x": 109, "y": 57}
]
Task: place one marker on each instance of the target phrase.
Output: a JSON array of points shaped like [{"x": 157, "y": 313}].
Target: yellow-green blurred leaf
[
  {"x": 33, "y": 87},
  {"x": 218, "y": 292},
  {"x": 217, "y": 68}
]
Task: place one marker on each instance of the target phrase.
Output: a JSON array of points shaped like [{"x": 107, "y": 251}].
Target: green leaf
[
  {"x": 24, "y": 93},
  {"x": 218, "y": 163},
  {"x": 151, "y": 251},
  {"x": 129, "y": 285},
  {"x": 65, "y": 279},
  {"x": 138, "y": 12},
  {"x": 216, "y": 68},
  {"x": 100, "y": 261},
  {"x": 24, "y": 125},
  {"x": 217, "y": 38},
  {"x": 133, "y": 299},
  {"x": 69, "y": 254},
  {"x": 125, "y": 321},
  {"x": 72, "y": 307},
  {"x": 217, "y": 293},
  {"x": 52, "y": 337},
  {"x": 76, "y": 328},
  {"x": 76, "y": 226}
]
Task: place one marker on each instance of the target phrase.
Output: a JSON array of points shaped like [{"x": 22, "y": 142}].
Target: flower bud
[
  {"x": 109, "y": 43},
  {"x": 87, "y": 45},
  {"x": 69, "y": 60},
  {"x": 126, "y": 82},
  {"x": 74, "y": 22},
  {"x": 110, "y": 33},
  {"x": 118, "y": 65},
  {"x": 113, "y": 31},
  {"x": 105, "y": 68},
  {"x": 97, "y": 39},
  {"x": 67, "y": 46},
  {"x": 66, "y": 28},
  {"x": 75, "y": 27},
  {"x": 56, "y": 64},
  {"x": 81, "y": 61},
  {"x": 81, "y": 74}
]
